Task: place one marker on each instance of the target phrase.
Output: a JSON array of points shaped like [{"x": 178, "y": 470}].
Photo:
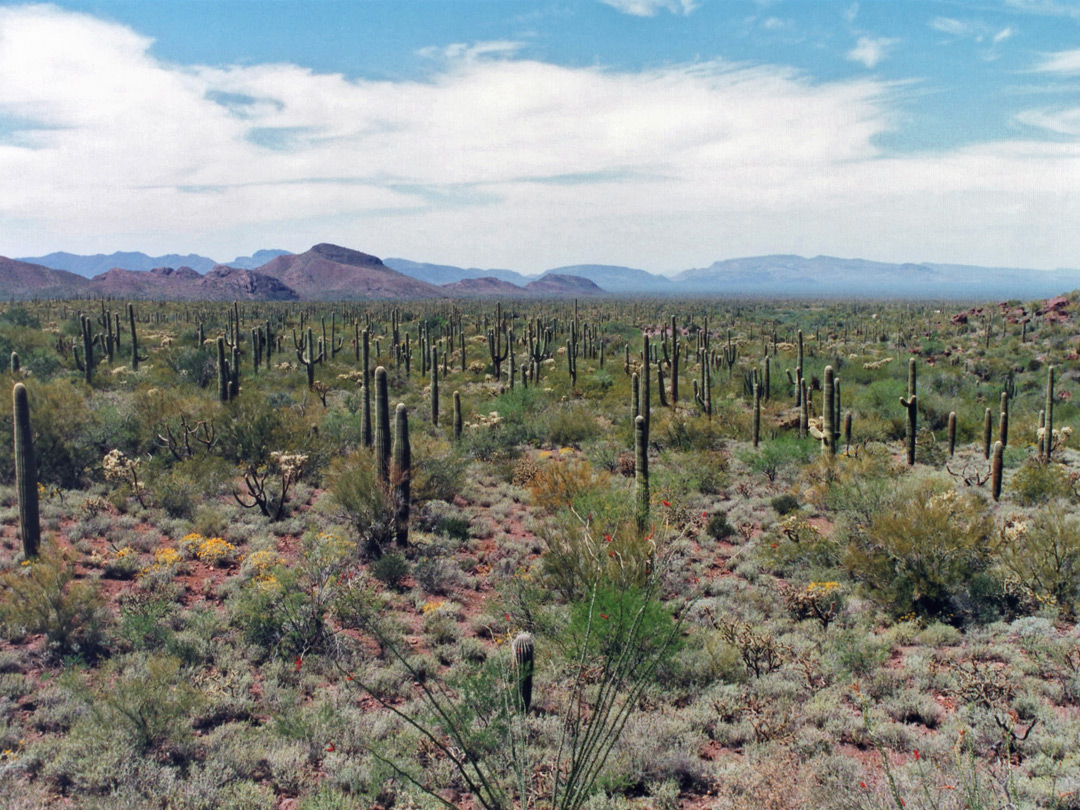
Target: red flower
[
  {"x": 299, "y": 662},
  {"x": 666, "y": 503},
  {"x": 330, "y": 747},
  {"x": 607, "y": 538},
  {"x": 348, "y": 677},
  {"x": 705, "y": 514},
  {"x": 604, "y": 616},
  {"x": 917, "y": 754},
  {"x": 862, "y": 785},
  {"x": 508, "y": 617}
]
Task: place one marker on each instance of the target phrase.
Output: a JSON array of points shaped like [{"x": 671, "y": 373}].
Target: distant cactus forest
[{"x": 595, "y": 554}]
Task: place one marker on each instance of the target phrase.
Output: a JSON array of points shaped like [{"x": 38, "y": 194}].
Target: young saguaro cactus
[
  {"x": 952, "y": 434},
  {"x": 15, "y": 364},
  {"x": 912, "y": 406},
  {"x": 382, "y": 426},
  {"x": 522, "y": 647},
  {"x": 26, "y": 474},
  {"x": 995, "y": 470},
  {"x": 641, "y": 472},
  {"x": 400, "y": 475},
  {"x": 457, "y": 415}
]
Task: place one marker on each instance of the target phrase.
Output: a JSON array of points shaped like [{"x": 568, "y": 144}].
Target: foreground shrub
[
  {"x": 1043, "y": 553},
  {"x": 930, "y": 557}
]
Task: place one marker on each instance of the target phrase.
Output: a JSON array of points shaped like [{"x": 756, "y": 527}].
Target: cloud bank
[{"x": 495, "y": 160}]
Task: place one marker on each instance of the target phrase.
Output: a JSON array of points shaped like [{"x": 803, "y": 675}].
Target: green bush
[
  {"x": 784, "y": 504},
  {"x": 1043, "y": 553},
  {"x": 780, "y": 455},
  {"x": 390, "y": 569},
  {"x": 1037, "y": 482},
  {"x": 366, "y": 501},
  {"x": 718, "y": 527}
]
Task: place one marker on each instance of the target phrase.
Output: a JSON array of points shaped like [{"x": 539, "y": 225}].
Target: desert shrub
[
  {"x": 254, "y": 428},
  {"x": 931, "y": 557},
  {"x": 438, "y": 471},
  {"x": 784, "y": 504},
  {"x": 390, "y": 569},
  {"x": 794, "y": 544},
  {"x": 778, "y": 456},
  {"x": 1037, "y": 482},
  {"x": 43, "y": 596},
  {"x": 1043, "y": 553},
  {"x": 366, "y": 502},
  {"x": 570, "y": 423},
  {"x": 492, "y": 443},
  {"x": 148, "y": 700},
  {"x": 577, "y": 557},
  {"x": 686, "y": 433},
  {"x": 558, "y": 484},
  {"x": 179, "y": 488},
  {"x": 718, "y": 526}
]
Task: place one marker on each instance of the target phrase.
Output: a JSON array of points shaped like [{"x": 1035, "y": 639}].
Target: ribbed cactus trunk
[
  {"x": 952, "y": 434},
  {"x": 522, "y": 647},
  {"x": 15, "y": 363},
  {"x": 134, "y": 338},
  {"x": 382, "y": 426},
  {"x": 88, "y": 350},
  {"x": 223, "y": 371},
  {"x": 988, "y": 429},
  {"x": 435, "y": 386},
  {"x": 641, "y": 472},
  {"x": 26, "y": 474},
  {"x": 1003, "y": 420},
  {"x": 635, "y": 396},
  {"x": 996, "y": 469},
  {"x": 847, "y": 431},
  {"x": 457, "y": 415},
  {"x": 400, "y": 475},
  {"x": 828, "y": 413},
  {"x": 1048, "y": 444},
  {"x": 365, "y": 413},
  {"x": 912, "y": 406},
  {"x": 644, "y": 383},
  {"x": 757, "y": 414},
  {"x": 676, "y": 350},
  {"x": 804, "y": 408}
]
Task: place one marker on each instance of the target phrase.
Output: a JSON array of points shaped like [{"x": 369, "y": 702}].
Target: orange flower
[{"x": 299, "y": 662}]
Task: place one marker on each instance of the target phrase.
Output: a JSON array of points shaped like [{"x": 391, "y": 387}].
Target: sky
[{"x": 532, "y": 134}]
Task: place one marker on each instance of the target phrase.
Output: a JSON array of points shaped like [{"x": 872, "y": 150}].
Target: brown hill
[
  {"x": 165, "y": 283},
  {"x": 481, "y": 288},
  {"x": 557, "y": 284},
  {"x": 233, "y": 284},
  {"x": 25, "y": 280},
  {"x": 118, "y": 283},
  {"x": 332, "y": 272}
]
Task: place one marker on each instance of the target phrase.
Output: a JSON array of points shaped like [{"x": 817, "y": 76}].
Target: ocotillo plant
[
  {"x": 995, "y": 470},
  {"x": 522, "y": 647},
  {"x": 382, "y": 426},
  {"x": 952, "y": 434},
  {"x": 400, "y": 474},
  {"x": 641, "y": 472},
  {"x": 26, "y": 484}
]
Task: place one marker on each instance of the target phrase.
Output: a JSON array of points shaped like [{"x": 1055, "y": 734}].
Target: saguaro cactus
[
  {"x": 435, "y": 386},
  {"x": 828, "y": 414},
  {"x": 135, "y": 359},
  {"x": 1003, "y": 421},
  {"x": 1048, "y": 444},
  {"x": 912, "y": 406},
  {"x": 223, "y": 371},
  {"x": 400, "y": 475},
  {"x": 15, "y": 364},
  {"x": 757, "y": 414},
  {"x": 522, "y": 647},
  {"x": 26, "y": 474},
  {"x": 995, "y": 470},
  {"x": 988, "y": 427},
  {"x": 952, "y": 434},
  {"x": 457, "y": 415},
  {"x": 641, "y": 471},
  {"x": 382, "y": 426},
  {"x": 365, "y": 414}
]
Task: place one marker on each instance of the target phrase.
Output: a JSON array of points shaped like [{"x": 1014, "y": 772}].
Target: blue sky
[{"x": 661, "y": 134}]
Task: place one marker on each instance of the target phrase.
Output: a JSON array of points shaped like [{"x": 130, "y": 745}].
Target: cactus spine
[
  {"x": 641, "y": 471},
  {"x": 382, "y": 426},
  {"x": 400, "y": 475},
  {"x": 995, "y": 470},
  {"x": 522, "y": 647},
  {"x": 26, "y": 474}
]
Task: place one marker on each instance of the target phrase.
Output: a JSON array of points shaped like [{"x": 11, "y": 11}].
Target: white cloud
[
  {"x": 1002, "y": 35},
  {"x": 1060, "y": 62},
  {"x": 493, "y": 161},
  {"x": 947, "y": 25},
  {"x": 650, "y": 8},
  {"x": 869, "y": 51}
]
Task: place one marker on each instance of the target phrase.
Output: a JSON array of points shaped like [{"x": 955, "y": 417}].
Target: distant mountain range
[{"x": 332, "y": 272}]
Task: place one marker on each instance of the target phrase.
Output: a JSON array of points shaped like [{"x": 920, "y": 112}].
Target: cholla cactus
[
  {"x": 290, "y": 464},
  {"x": 119, "y": 467}
]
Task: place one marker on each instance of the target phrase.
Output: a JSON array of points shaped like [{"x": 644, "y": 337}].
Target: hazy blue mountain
[
  {"x": 448, "y": 274},
  {"x": 614, "y": 279},
  {"x": 257, "y": 259},
  {"x": 90, "y": 266},
  {"x": 832, "y": 276}
]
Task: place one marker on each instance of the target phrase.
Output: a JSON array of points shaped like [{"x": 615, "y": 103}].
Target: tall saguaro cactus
[
  {"x": 995, "y": 470},
  {"x": 26, "y": 474},
  {"x": 400, "y": 475},
  {"x": 828, "y": 414},
  {"x": 435, "y": 385},
  {"x": 382, "y": 426},
  {"x": 1048, "y": 443},
  {"x": 641, "y": 472},
  {"x": 912, "y": 406},
  {"x": 365, "y": 413}
]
